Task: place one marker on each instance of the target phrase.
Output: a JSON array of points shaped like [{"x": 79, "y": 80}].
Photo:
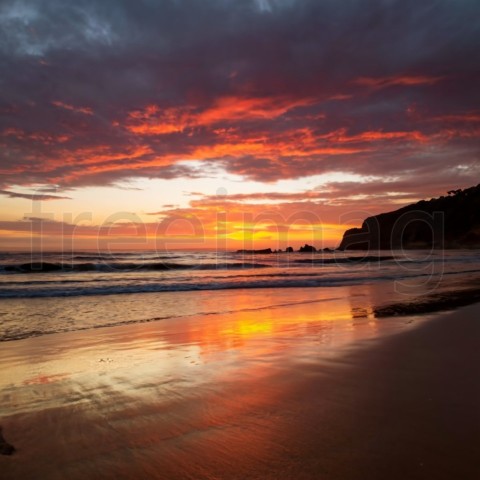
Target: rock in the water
[
  {"x": 307, "y": 249},
  {"x": 263, "y": 251},
  {"x": 5, "y": 448},
  {"x": 289, "y": 250}
]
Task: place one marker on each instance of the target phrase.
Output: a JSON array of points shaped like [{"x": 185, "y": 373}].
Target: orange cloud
[
  {"x": 104, "y": 154},
  {"x": 296, "y": 143},
  {"x": 238, "y": 108},
  {"x": 341, "y": 136},
  {"x": 232, "y": 142},
  {"x": 153, "y": 120},
  {"x": 92, "y": 160},
  {"x": 265, "y": 138}
]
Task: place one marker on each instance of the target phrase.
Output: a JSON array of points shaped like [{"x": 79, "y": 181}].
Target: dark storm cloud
[{"x": 237, "y": 84}]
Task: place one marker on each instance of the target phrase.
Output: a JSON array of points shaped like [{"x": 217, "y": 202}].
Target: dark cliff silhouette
[{"x": 451, "y": 221}]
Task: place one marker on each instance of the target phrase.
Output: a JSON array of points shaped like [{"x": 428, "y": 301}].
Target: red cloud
[
  {"x": 341, "y": 136},
  {"x": 269, "y": 95},
  {"x": 40, "y": 137},
  {"x": 470, "y": 117},
  {"x": 231, "y": 108},
  {"x": 400, "y": 80},
  {"x": 153, "y": 120},
  {"x": 66, "y": 106}
]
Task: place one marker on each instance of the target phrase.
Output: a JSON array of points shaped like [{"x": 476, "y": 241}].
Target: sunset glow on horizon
[{"x": 229, "y": 125}]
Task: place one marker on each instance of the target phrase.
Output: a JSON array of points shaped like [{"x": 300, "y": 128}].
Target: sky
[{"x": 229, "y": 123}]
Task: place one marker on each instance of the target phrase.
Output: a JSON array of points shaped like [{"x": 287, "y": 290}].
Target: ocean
[{"x": 60, "y": 292}]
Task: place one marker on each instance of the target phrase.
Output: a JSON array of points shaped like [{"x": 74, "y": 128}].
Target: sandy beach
[{"x": 307, "y": 391}]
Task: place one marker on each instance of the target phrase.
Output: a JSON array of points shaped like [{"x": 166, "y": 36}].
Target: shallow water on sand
[{"x": 184, "y": 397}]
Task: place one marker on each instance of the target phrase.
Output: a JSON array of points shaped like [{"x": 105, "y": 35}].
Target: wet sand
[{"x": 304, "y": 392}]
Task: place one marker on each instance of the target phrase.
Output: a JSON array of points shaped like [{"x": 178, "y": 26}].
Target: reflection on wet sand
[{"x": 181, "y": 398}]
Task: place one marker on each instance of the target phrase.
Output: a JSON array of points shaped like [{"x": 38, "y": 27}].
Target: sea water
[{"x": 57, "y": 292}]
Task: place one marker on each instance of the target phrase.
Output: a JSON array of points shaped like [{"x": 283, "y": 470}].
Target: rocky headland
[{"x": 451, "y": 221}]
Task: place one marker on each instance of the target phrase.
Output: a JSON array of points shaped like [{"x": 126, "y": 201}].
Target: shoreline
[
  {"x": 448, "y": 299},
  {"x": 238, "y": 397}
]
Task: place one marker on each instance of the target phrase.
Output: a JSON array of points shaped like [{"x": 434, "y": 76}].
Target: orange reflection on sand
[
  {"x": 44, "y": 379},
  {"x": 248, "y": 327},
  {"x": 218, "y": 358},
  {"x": 251, "y": 325},
  {"x": 259, "y": 331}
]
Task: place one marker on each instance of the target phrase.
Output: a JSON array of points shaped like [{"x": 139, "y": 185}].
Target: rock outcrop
[
  {"x": 260, "y": 252},
  {"x": 307, "y": 249},
  {"x": 452, "y": 221}
]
